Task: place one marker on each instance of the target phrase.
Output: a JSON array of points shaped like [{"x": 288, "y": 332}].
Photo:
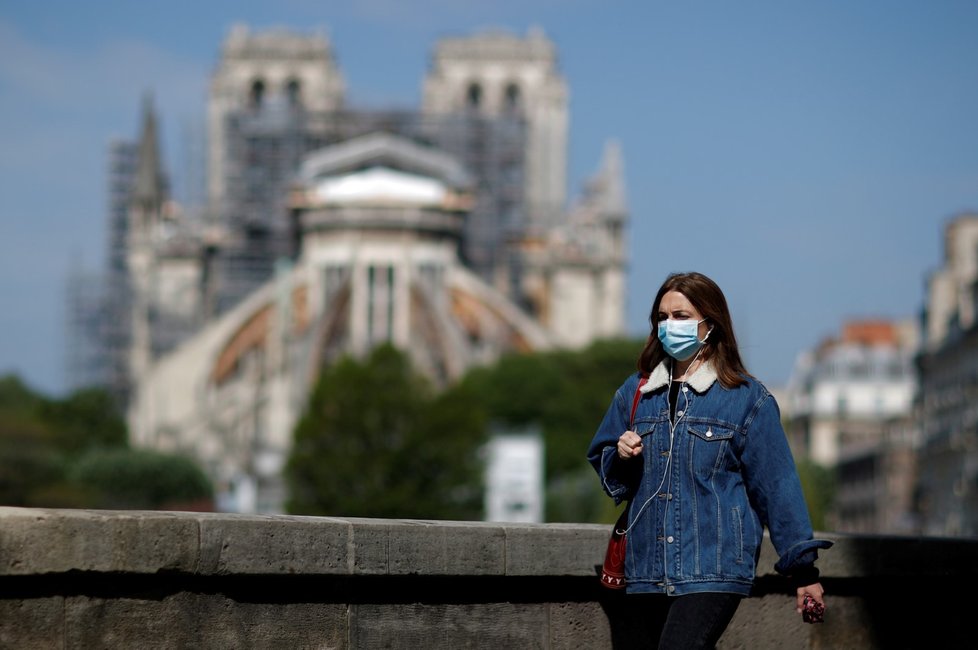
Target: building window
[
  {"x": 859, "y": 369},
  {"x": 293, "y": 91},
  {"x": 380, "y": 304},
  {"x": 474, "y": 97},
  {"x": 512, "y": 99},
  {"x": 335, "y": 278},
  {"x": 257, "y": 94},
  {"x": 895, "y": 369}
]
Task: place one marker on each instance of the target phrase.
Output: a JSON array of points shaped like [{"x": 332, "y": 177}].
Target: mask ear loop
[{"x": 708, "y": 332}]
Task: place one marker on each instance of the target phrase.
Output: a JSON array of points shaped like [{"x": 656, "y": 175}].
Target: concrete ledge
[
  {"x": 37, "y": 541},
  {"x": 122, "y": 579}
]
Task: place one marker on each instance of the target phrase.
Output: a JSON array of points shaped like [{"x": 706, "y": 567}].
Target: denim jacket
[{"x": 699, "y": 505}]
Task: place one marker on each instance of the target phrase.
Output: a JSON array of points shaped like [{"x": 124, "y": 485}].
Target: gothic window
[
  {"x": 431, "y": 279},
  {"x": 293, "y": 90},
  {"x": 380, "y": 304},
  {"x": 257, "y": 95},
  {"x": 474, "y": 96},
  {"x": 512, "y": 100}
]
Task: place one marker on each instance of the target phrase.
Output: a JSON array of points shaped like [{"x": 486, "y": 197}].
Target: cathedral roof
[
  {"x": 380, "y": 149},
  {"x": 382, "y": 184}
]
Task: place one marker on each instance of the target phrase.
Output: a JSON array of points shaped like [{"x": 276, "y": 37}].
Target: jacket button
[
  {"x": 669, "y": 539},
  {"x": 709, "y": 434},
  {"x": 671, "y": 589},
  {"x": 679, "y": 414}
]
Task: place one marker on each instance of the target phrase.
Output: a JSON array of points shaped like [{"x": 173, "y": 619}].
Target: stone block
[
  {"x": 32, "y": 623},
  {"x": 36, "y": 540},
  {"x": 485, "y": 625},
  {"x": 446, "y": 548},
  {"x": 131, "y": 621},
  {"x": 273, "y": 545},
  {"x": 578, "y": 625},
  {"x": 371, "y": 545},
  {"x": 554, "y": 549},
  {"x": 236, "y": 624},
  {"x": 192, "y": 620}
]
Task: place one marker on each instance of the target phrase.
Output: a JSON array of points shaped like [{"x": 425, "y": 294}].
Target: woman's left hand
[{"x": 813, "y": 590}]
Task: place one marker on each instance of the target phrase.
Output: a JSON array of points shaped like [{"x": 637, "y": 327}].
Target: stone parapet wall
[{"x": 135, "y": 579}]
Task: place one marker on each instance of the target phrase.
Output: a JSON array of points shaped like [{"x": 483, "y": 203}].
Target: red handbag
[{"x": 613, "y": 569}]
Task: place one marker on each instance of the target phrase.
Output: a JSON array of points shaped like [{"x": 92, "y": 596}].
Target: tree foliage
[
  {"x": 141, "y": 479},
  {"x": 85, "y": 419},
  {"x": 74, "y": 453},
  {"x": 375, "y": 441},
  {"x": 565, "y": 394},
  {"x": 818, "y": 485}
]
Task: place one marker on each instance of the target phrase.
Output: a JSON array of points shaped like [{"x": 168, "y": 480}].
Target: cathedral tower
[
  {"x": 274, "y": 70},
  {"x": 497, "y": 74}
]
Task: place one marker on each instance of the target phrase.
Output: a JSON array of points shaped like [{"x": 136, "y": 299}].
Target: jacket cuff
[
  {"x": 612, "y": 486},
  {"x": 801, "y": 554}
]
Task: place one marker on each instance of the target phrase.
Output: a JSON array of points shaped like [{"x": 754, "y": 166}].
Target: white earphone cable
[{"x": 672, "y": 430}]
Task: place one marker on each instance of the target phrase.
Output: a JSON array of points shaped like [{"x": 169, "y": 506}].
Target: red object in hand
[{"x": 812, "y": 611}]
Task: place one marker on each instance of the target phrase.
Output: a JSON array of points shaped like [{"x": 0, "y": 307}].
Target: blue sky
[{"x": 806, "y": 155}]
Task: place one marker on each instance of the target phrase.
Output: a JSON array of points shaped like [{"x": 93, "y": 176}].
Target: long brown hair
[{"x": 721, "y": 344}]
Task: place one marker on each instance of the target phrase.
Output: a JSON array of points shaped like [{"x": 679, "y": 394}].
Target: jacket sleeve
[
  {"x": 774, "y": 489},
  {"x": 602, "y": 453}
]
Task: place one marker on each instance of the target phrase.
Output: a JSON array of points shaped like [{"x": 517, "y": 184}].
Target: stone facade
[
  {"x": 947, "y": 408},
  {"x": 906, "y": 460},
  {"x": 331, "y": 231},
  {"x": 849, "y": 407}
]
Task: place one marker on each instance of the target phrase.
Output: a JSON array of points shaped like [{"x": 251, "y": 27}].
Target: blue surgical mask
[{"x": 679, "y": 338}]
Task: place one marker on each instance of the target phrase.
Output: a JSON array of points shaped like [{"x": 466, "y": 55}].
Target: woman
[{"x": 705, "y": 465}]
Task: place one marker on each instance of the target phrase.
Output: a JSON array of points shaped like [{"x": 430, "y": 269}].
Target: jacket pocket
[
  {"x": 644, "y": 428},
  {"x": 708, "y": 447}
]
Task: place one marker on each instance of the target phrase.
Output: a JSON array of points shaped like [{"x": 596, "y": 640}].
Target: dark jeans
[
  {"x": 690, "y": 622},
  {"x": 696, "y": 621}
]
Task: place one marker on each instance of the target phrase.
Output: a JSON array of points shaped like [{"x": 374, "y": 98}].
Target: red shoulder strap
[{"x": 638, "y": 396}]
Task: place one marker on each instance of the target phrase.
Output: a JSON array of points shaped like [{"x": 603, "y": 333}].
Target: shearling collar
[{"x": 701, "y": 380}]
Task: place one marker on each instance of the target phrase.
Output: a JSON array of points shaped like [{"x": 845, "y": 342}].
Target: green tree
[
  {"x": 74, "y": 453},
  {"x": 818, "y": 485},
  {"x": 85, "y": 419},
  {"x": 30, "y": 458},
  {"x": 375, "y": 441},
  {"x": 141, "y": 479},
  {"x": 565, "y": 394},
  {"x": 17, "y": 397}
]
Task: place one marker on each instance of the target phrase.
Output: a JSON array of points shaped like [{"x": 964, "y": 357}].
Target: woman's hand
[
  {"x": 629, "y": 445},
  {"x": 813, "y": 590}
]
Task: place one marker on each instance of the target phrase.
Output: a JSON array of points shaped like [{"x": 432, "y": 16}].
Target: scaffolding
[{"x": 264, "y": 149}]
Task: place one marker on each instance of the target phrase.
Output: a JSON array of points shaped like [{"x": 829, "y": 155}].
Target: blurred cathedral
[{"x": 328, "y": 230}]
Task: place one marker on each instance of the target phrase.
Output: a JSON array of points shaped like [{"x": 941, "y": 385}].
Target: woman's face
[{"x": 675, "y": 306}]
